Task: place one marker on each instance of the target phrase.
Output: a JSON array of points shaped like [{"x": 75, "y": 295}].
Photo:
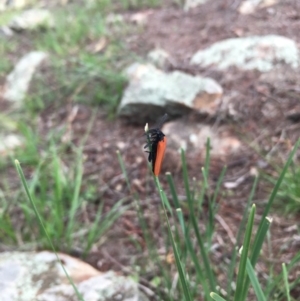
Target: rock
[
  {"x": 18, "y": 80},
  {"x": 15, "y": 4},
  {"x": 38, "y": 276},
  {"x": 193, "y": 137},
  {"x": 9, "y": 142},
  {"x": 141, "y": 18},
  {"x": 262, "y": 53},
  {"x": 159, "y": 57},
  {"x": 152, "y": 92},
  {"x": 192, "y": 4},
  {"x": 32, "y": 19},
  {"x": 6, "y": 31},
  {"x": 250, "y": 6},
  {"x": 104, "y": 287}
]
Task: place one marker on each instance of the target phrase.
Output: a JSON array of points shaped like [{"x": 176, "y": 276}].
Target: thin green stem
[{"x": 22, "y": 177}]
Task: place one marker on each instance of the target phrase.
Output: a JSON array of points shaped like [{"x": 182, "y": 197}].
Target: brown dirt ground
[{"x": 182, "y": 34}]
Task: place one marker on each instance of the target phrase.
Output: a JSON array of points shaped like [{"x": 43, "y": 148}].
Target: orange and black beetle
[{"x": 156, "y": 142}]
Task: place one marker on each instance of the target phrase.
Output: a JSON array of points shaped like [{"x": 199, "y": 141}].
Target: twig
[{"x": 226, "y": 228}]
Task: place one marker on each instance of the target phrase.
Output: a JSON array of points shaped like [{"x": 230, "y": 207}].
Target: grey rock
[
  {"x": 32, "y": 19},
  {"x": 141, "y": 18},
  {"x": 262, "y": 53},
  {"x": 17, "y": 82},
  {"x": 250, "y": 6},
  {"x": 104, "y": 287},
  {"x": 9, "y": 142},
  {"x": 152, "y": 91},
  {"x": 38, "y": 276},
  {"x": 193, "y": 137},
  {"x": 159, "y": 57},
  {"x": 190, "y": 4},
  {"x": 6, "y": 31},
  {"x": 14, "y": 4}
]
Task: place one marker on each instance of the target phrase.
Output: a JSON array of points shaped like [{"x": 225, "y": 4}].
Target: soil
[
  {"x": 257, "y": 96},
  {"x": 265, "y": 118}
]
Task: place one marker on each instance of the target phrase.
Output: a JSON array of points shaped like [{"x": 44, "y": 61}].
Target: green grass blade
[
  {"x": 255, "y": 283},
  {"x": 182, "y": 276},
  {"x": 100, "y": 227},
  {"x": 75, "y": 199},
  {"x": 176, "y": 202},
  {"x": 205, "y": 177},
  {"x": 293, "y": 263},
  {"x": 238, "y": 238},
  {"x": 173, "y": 190},
  {"x": 185, "y": 177},
  {"x": 199, "y": 271},
  {"x": 91, "y": 124},
  {"x": 278, "y": 183},
  {"x": 153, "y": 251},
  {"x": 22, "y": 177},
  {"x": 218, "y": 186},
  {"x": 93, "y": 231},
  {"x": 207, "y": 159},
  {"x": 257, "y": 244},
  {"x": 58, "y": 193},
  {"x": 207, "y": 266},
  {"x": 286, "y": 282},
  {"x": 6, "y": 227},
  {"x": 262, "y": 232},
  {"x": 206, "y": 261},
  {"x": 181, "y": 219},
  {"x": 212, "y": 208},
  {"x": 164, "y": 199},
  {"x": 245, "y": 250},
  {"x": 122, "y": 165},
  {"x": 260, "y": 237},
  {"x": 216, "y": 297}
]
